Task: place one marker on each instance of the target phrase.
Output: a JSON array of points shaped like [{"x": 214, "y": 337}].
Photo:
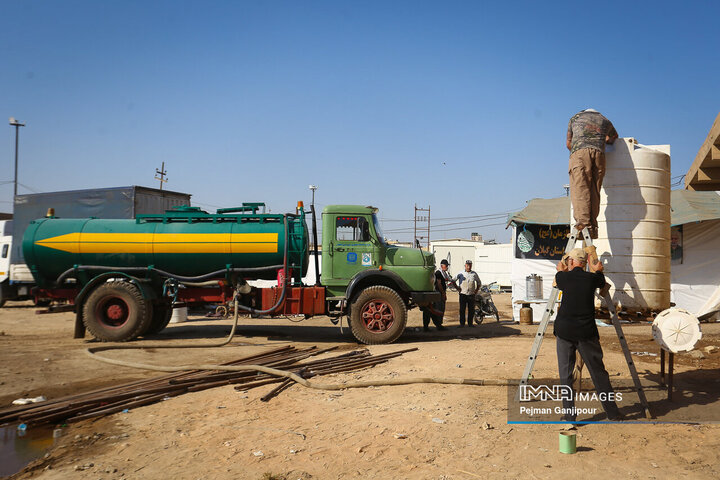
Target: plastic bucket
[
  {"x": 568, "y": 442},
  {"x": 179, "y": 313}
]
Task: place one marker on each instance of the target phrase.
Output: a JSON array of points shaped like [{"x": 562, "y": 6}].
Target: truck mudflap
[{"x": 423, "y": 299}]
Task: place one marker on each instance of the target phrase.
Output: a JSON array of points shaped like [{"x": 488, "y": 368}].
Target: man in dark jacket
[
  {"x": 576, "y": 330},
  {"x": 436, "y": 312}
]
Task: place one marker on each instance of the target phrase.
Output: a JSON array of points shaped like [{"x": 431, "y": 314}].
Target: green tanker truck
[{"x": 122, "y": 277}]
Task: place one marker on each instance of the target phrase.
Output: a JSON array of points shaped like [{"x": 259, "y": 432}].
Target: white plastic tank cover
[{"x": 676, "y": 330}]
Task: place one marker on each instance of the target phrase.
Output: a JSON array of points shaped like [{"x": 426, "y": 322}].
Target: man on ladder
[
  {"x": 575, "y": 329},
  {"x": 588, "y": 132}
]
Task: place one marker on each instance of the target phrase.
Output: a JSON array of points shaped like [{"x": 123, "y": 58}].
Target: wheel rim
[
  {"x": 377, "y": 316},
  {"x": 113, "y": 312}
]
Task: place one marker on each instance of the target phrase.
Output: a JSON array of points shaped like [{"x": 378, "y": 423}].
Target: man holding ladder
[{"x": 575, "y": 329}]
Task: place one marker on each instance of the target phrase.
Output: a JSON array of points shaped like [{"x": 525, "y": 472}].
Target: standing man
[
  {"x": 436, "y": 311},
  {"x": 469, "y": 283},
  {"x": 576, "y": 330},
  {"x": 588, "y": 132}
]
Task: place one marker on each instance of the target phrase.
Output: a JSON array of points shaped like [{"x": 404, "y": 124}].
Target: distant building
[{"x": 492, "y": 262}]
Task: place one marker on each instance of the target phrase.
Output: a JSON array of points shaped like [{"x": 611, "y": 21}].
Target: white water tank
[{"x": 634, "y": 225}]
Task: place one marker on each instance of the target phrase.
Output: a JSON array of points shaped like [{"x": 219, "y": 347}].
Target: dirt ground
[{"x": 415, "y": 432}]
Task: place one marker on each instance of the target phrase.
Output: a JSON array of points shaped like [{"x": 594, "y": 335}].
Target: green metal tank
[{"x": 185, "y": 241}]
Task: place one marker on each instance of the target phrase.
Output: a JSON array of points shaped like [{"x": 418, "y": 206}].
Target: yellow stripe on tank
[{"x": 78, "y": 242}]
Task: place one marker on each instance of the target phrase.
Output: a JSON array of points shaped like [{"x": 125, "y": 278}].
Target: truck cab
[
  {"x": 375, "y": 281},
  {"x": 5, "y": 244}
]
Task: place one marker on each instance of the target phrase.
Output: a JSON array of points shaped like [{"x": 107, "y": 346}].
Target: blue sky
[{"x": 462, "y": 106}]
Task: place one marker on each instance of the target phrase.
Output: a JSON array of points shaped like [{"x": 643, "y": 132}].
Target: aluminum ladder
[{"x": 549, "y": 310}]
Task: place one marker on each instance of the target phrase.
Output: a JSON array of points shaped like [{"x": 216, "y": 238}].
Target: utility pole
[
  {"x": 17, "y": 126},
  {"x": 421, "y": 217},
  {"x": 315, "y": 237},
  {"x": 162, "y": 174}
]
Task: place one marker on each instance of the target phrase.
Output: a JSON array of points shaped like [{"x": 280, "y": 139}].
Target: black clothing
[
  {"x": 440, "y": 284},
  {"x": 576, "y": 315},
  {"x": 467, "y": 301},
  {"x": 576, "y": 330},
  {"x": 436, "y": 315},
  {"x": 592, "y": 354},
  {"x": 437, "y": 309}
]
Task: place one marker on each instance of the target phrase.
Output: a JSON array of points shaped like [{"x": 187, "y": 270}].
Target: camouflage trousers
[{"x": 587, "y": 170}]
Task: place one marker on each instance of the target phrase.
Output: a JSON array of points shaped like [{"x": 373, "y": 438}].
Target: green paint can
[{"x": 568, "y": 442}]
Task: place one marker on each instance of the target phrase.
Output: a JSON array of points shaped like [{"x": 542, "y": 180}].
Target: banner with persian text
[{"x": 546, "y": 242}]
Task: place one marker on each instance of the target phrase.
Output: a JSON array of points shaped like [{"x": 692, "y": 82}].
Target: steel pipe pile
[{"x": 109, "y": 400}]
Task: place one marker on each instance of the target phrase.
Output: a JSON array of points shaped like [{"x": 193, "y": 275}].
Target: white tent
[{"x": 695, "y": 264}]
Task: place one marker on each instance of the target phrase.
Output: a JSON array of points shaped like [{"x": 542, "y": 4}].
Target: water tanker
[
  {"x": 122, "y": 277},
  {"x": 185, "y": 242}
]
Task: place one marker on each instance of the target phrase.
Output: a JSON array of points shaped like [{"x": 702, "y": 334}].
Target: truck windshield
[{"x": 378, "y": 230}]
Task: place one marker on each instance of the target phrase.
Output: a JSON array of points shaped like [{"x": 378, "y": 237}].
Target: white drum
[{"x": 634, "y": 225}]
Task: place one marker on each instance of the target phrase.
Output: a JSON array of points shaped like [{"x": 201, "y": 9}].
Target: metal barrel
[{"x": 534, "y": 287}]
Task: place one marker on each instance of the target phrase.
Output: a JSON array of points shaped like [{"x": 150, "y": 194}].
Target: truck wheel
[
  {"x": 378, "y": 315},
  {"x": 3, "y": 293},
  {"x": 162, "y": 313},
  {"x": 117, "y": 312}
]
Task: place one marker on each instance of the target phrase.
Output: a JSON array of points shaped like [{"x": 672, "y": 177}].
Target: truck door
[
  {"x": 4, "y": 260},
  {"x": 353, "y": 249}
]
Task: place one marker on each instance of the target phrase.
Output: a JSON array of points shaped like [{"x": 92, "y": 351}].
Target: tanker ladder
[{"x": 605, "y": 295}]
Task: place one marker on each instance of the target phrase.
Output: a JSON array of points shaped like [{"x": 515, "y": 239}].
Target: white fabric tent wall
[
  {"x": 522, "y": 268},
  {"x": 695, "y": 284}
]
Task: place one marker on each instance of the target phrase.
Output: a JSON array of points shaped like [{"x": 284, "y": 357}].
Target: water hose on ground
[{"x": 92, "y": 352}]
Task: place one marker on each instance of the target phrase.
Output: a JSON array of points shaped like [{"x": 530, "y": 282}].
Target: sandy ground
[{"x": 446, "y": 431}]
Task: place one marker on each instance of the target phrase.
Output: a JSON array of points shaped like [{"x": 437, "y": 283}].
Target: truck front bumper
[{"x": 422, "y": 299}]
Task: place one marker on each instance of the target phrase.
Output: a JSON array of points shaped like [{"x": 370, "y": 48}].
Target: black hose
[
  {"x": 285, "y": 280},
  {"x": 163, "y": 273}
]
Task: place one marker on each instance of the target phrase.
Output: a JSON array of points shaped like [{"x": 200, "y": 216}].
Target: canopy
[
  {"x": 689, "y": 206},
  {"x": 686, "y": 207},
  {"x": 543, "y": 211}
]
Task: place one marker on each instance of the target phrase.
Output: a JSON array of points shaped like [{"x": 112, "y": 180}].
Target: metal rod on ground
[
  {"x": 247, "y": 375},
  {"x": 276, "y": 391}
]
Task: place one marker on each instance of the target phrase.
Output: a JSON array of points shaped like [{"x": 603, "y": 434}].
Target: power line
[
  {"x": 465, "y": 228},
  {"x": 440, "y": 228},
  {"x": 28, "y": 188},
  {"x": 679, "y": 180},
  {"x": 494, "y": 217},
  {"x": 453, "y": 218}
]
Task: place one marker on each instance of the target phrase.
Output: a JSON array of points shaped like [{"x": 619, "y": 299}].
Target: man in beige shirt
[{"x": 469, "y": 283}]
